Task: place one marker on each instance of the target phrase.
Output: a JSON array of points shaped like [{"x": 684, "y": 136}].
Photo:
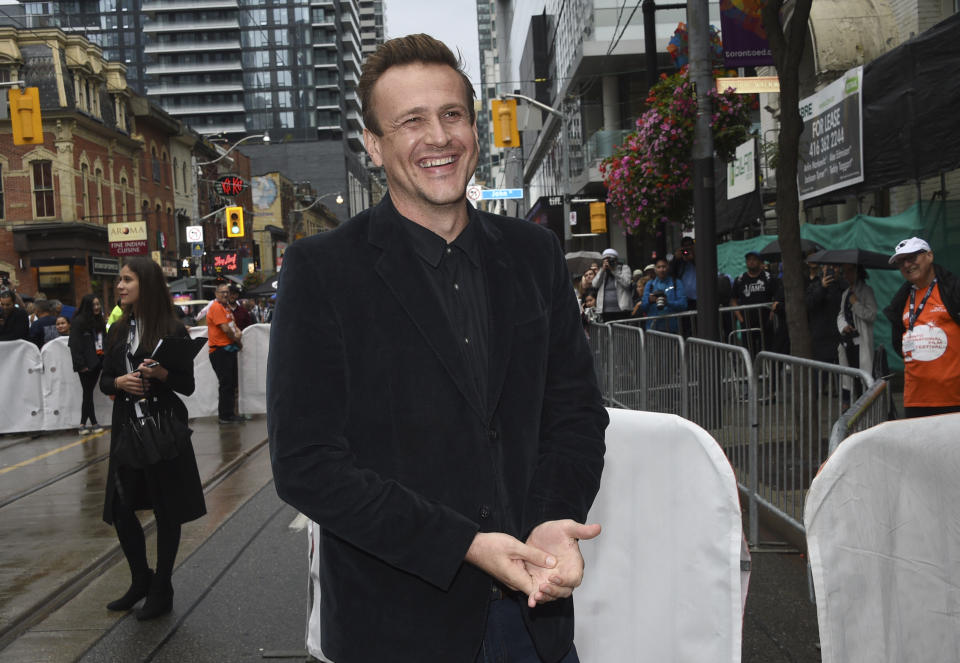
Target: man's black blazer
[{"x": 374, "y": 434}]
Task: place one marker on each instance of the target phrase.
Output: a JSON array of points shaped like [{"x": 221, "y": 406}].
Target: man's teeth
[{"x": 430, "y": 163}]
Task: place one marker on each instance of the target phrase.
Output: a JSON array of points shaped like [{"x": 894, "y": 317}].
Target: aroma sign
[{"x": 127, "y": 239}]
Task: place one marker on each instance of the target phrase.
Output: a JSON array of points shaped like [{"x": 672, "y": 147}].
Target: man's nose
[{"x": 437, "y": 133}]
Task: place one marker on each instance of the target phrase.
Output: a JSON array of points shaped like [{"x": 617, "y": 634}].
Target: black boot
[
  {"x": 138, "y": 589},
  {"x": 159, "y": 599}
]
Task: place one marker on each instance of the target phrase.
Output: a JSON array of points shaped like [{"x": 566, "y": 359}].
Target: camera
[
  {"x": 661, "y": 299},
  {"x": 685, "y": 252}
]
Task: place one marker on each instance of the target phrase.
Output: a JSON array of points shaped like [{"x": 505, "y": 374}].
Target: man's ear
[{"x": 372, "y": 142}]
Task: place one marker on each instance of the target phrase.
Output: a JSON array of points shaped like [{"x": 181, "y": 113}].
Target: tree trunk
[{"x": 787, "y": 47}]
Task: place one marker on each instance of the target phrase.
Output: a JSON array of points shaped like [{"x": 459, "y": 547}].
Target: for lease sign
[{"x": 831, "y": 145}]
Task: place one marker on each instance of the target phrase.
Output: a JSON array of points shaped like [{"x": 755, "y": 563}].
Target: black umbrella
[
  {"x": 772, "y": 250},
  {"x": 869, "y": 259},
  {"x": 268, "y": 287}
]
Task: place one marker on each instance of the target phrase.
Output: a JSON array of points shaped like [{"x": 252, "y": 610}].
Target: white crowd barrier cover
[
  {"x": 40, "y": 391},
  {"x": 663, "y": 580},
  {"x": 883, "y": 535}
]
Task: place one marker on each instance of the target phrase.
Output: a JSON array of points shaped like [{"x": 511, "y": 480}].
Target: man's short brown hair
[{"x": 411, "y": 49}]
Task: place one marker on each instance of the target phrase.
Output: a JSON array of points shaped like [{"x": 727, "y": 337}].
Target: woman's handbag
[{"x": 150, "y": 439}]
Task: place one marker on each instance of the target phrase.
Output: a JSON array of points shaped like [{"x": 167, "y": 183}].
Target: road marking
[
  {"x": 299, "y": 522},
  {"x": 29, "y": 461}
]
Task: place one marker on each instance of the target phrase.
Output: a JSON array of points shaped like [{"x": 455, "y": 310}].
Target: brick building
[{"x": 105, "y": 158}]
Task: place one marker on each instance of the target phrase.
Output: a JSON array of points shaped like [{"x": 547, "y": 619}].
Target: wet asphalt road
[{"x": 241, "y": 580}]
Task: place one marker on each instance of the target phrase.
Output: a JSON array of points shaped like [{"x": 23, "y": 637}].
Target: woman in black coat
[
  {"x": 86, "y": 348},
  {"x": 171, "y": 488}
]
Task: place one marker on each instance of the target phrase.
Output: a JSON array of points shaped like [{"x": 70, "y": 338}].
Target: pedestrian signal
[
  {"x": 234, "y": 221},
  {"x": 25, "y": 116},
  {"x": 505, "y": 132}
]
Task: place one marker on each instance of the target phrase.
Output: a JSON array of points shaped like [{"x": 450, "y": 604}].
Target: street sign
[
  {"x": 196, "y": 249},
  {"x": 500, "y": 194},
  {"x": 104, "y": 266},
  {"x": 749, "y": 84},
  {"x": 194, "y": 233},
  {"x": 474, "y": 193},
  {"x": 231, "y": 185}
]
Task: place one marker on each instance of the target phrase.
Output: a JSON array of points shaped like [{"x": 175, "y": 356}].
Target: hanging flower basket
[{"x": 649, "y": 177}]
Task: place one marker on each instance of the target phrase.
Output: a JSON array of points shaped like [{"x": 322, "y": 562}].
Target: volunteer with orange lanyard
[
  {"x": 225, "y": 341},
  {"x": 925, "y": 321}
]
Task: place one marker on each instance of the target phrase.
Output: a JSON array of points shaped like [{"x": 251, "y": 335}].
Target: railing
[{"x": 776, "y": 417}]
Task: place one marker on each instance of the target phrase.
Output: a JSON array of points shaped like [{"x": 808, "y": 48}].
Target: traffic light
[
  {"x": 234, "y": 221},
  {"x": 25, "y": 116},
  {"x": 598, "y": 218},
  {"x": 505, "y": 132}
]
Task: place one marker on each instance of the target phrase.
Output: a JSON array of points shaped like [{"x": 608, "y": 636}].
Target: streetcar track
[
  {"x": 72, "y": 586},
  {"x": 52, "y": 480}
]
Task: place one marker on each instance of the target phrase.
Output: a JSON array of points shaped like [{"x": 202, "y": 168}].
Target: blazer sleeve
[
  {"x": 566, "y": 478},
  {"x": 315, "y": 470}
]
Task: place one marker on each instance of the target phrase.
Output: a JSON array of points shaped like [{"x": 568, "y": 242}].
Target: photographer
[
  {"x": 823, "y": 304},
  {"x": 663, "y": 295},
  {"x": 614, "y": 284}
]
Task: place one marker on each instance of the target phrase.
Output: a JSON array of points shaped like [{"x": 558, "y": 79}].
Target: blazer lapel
[{"x": 404, "y": 274}]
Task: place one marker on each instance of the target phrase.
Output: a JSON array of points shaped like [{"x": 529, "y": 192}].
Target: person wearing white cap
[
  {"x": 614, "y": 284},
  {"x": 925, "y": 324}
]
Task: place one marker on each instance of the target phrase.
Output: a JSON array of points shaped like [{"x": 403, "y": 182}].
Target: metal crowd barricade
[
  {"x": 776, "y": 417},
  {"x": 798, "y": 401},
  {"x": 721, "y": 390},
  {"x": 872, "y": 408},
  {"x": 664, "y": 375},
  {"x": 628, "y": 386},
  {"x": 598, "y": 338}
]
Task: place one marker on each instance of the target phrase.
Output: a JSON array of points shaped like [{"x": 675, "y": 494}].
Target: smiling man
[
  {"x": 431, "y": 399},
  {"x": 925, "y": 324}
]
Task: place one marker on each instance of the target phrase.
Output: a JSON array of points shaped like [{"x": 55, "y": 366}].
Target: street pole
[
  {"x": 565, "y": 163},
  {"x": 708, "y": 315}
]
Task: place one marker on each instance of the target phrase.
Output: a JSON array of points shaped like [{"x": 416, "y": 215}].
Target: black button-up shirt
[{"x": 457, "y": 277}]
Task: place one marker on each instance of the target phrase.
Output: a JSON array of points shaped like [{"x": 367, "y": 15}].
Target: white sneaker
[{"x": 96, "y": 428}]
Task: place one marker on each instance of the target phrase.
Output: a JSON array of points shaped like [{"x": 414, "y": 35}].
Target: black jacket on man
[
  {"x": 15, "y": 326},
  {"x": 377, "y": 435},
  {"x": 949, "y": 286}
]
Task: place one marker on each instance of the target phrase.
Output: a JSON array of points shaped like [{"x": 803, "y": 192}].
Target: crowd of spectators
[{"x": 841, "y": 306}]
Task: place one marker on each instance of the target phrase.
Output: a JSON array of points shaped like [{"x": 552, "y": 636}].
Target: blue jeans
[{"x": 507, "y": 640}]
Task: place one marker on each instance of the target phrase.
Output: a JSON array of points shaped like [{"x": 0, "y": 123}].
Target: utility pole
[{"x": 705, "y": 223}]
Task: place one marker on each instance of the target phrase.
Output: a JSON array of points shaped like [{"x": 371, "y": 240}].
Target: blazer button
[
  {"x": 484, "y": 512},
  {"x": 493, "y": 435}
]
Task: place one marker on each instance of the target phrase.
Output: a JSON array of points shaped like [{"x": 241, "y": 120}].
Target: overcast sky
[{"x": 454, "y": 22}]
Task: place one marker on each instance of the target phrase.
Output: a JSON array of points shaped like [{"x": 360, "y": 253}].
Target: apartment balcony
[
  {"x": 193, "y": 46},
  {"x": 205, "y": 109},
  {"x": 198, "y": 88},
  {"x": 190, "y": 26},
  {"x": 190, "y": 68},
  {"x": 171, "y": 6}
]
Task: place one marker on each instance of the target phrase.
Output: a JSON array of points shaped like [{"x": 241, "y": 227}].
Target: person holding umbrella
[{"x": 858, "y": 310}]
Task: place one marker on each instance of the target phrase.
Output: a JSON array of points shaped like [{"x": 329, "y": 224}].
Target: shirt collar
[{"x": 431, "y": 246}]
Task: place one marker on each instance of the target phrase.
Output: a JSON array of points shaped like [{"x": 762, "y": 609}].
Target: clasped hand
[
  {"x": 548, "y": 566},
  {"x": 136, "y": 383}
]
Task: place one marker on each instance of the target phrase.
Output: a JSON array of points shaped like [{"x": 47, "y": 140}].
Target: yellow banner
[{"x": 749, "y": 84}]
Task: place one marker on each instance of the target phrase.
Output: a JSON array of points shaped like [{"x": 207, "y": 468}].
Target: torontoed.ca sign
[{"x": 127, "y": 239}]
